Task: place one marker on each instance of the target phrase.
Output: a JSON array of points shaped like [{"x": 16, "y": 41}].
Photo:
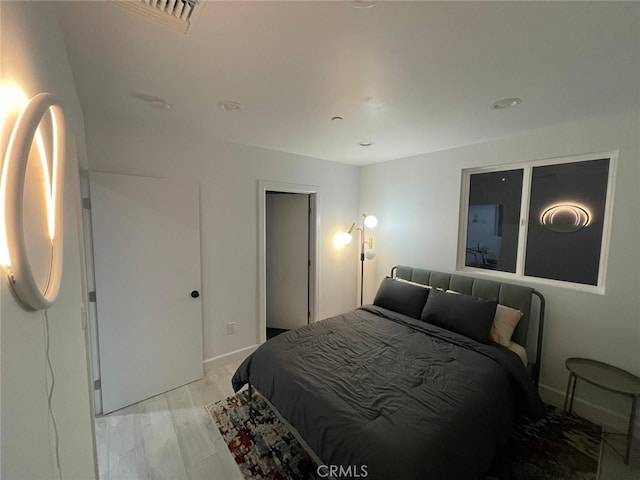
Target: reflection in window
[
  {"x": 493, "y": 220},
  {"x": 566, "y": 244}
]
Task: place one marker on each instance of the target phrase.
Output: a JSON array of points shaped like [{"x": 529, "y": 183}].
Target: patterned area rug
[
  {"x": 554, "y": 448},
  {"x": 264, "y": 448}
]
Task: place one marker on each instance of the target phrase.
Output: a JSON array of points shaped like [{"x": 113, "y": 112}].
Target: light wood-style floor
[{"x": 172, "y": 437}]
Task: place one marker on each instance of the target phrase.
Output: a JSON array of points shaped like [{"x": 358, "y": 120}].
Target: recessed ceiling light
[
  {"x": 158, "y": 104},
  {"x": 506, "y": 103},
  {"x": 230, "y": 106},
  {"x": 365, "y": 143},
  {"x": 372, "y": 102},
  {"x": 362, "y": 4},
  {"x": 152, "y": 101}
]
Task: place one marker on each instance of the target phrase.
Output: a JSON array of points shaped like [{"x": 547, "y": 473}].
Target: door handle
[{"x": 195, "y": 294}]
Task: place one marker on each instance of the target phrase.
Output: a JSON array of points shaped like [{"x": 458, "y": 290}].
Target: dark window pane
[
  {"x": 494, "y": 219},
  {"x": 566, "y": 216}
]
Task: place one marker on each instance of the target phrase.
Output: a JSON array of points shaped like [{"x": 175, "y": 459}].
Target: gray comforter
[{"x": 403, "y": 398}]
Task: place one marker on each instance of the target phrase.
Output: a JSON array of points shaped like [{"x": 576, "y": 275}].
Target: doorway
[
  {"x": 287, "y": 234},
  {"x": 287, "y": 257}
]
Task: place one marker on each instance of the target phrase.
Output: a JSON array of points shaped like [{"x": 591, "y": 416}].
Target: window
[
  {"x": 493, "y": 220},
  {"x": 545, "y": 219}
]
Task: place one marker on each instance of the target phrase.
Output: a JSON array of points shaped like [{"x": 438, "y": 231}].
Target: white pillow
[
  {"x": 504, "y": 323},
  {"x": 413, "y": 283}
]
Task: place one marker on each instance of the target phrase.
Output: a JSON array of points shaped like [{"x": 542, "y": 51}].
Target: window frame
[{"x": 527, "y": 168}]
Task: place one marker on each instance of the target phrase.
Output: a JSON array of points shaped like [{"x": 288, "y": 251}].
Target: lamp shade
[
  {"x": 340, "y": 239},
  {"x": 370, "y": 221}
]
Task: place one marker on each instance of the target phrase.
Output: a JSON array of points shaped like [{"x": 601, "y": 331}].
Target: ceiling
[{"x": 412, "y": 77}]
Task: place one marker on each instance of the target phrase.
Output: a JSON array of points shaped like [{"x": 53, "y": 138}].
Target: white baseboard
[
  {"x": 230, "y": 357},
  {"x": 610, "y": 420}
]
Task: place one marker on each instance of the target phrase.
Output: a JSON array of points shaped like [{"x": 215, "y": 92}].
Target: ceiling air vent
[{"x": 176, "y": 14}]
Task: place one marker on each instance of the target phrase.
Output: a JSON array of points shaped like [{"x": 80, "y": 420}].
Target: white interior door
[
  {"x": 287, "y": 235},
  {"x": 146, "y": 237}
]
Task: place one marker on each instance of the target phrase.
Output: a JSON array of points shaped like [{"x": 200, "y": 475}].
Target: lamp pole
[
  {"x": 362, "y": 262},
  {"x": 346, "y": 237}
]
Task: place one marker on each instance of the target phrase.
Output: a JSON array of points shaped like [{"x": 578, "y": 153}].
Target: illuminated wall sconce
[
  {"x": 42, "y": 118},
  {"x": 565, "y": 218}
]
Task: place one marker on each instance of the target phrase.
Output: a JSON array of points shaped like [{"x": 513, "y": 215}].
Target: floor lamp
[{"x": 366, "y": 246}]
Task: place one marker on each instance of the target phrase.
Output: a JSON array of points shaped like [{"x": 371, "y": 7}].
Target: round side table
[{"x": 608, "y": 377}]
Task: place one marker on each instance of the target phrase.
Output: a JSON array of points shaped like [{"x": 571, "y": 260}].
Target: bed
[{"x": 411, "y": 387}]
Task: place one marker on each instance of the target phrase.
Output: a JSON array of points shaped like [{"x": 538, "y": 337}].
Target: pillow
[
  {"x": 401, "y": 297},
  {"x": 421, "y": 285},
  {"x": 505, "y": 322},
  {"x": 463, "y": 314},
  {"x": 520, "y": 351}
]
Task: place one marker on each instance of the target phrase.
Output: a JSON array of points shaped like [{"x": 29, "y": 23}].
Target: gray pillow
[
  {"x": 401, "y": 297},
  {"x": 463, "y": 314}
]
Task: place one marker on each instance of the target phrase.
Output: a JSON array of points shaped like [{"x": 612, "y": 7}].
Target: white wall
[
  {"x": 34, "y": 57},
  {"x": 417, "y": 204},
  {"x": 228, "y": 176}
]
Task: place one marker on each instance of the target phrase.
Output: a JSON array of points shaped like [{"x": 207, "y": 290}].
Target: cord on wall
[{"x": 45, "y": 323}]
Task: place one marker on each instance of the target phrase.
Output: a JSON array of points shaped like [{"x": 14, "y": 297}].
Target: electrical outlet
[{"x": 231, "y": 328}]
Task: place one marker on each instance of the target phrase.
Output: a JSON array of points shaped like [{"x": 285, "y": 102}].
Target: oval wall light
[
  {"x": 565, "y": 218},
  {"x": 26, "y": 131}
]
